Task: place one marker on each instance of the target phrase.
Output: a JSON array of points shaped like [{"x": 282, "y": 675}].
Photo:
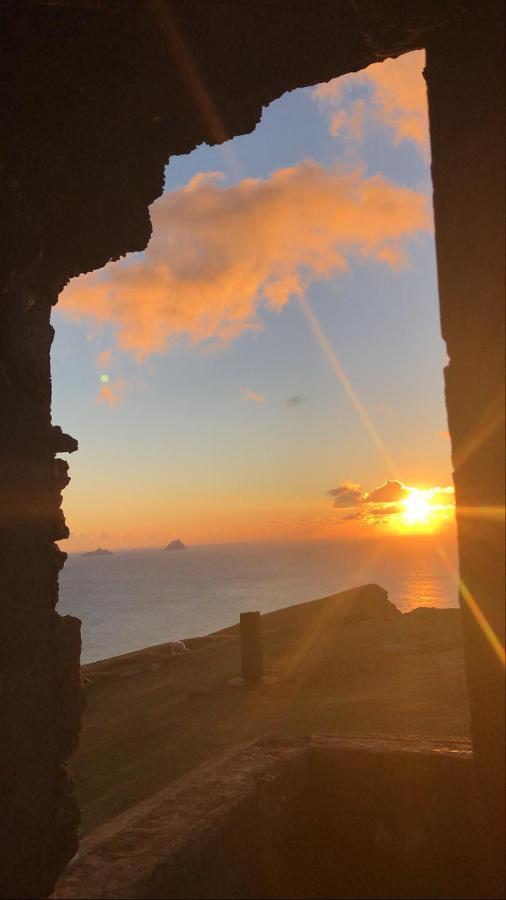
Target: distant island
[
  {"x": 176, "y": 545},
  {"x": 98, "y": 552}
]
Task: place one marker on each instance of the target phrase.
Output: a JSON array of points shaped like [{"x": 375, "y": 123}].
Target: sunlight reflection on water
[{"x": 142, "y": 597}]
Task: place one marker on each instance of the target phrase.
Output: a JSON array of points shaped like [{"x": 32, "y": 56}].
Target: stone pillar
[
  {"x": 465, "y": 79},
  {"x": 251, "y": 647},
  {"x": 40, "y": 700}
]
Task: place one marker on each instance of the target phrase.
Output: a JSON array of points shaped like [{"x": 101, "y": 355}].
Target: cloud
[
  {"x": 218, "y": 254},
  {"x": 111, "y": 394},
  {"x": 346, "y": 495},
  {"x": 396, "y": 97},
  {"x": 390, "y": 492},
  {"x": 296, "y": 400},
  {"x": 384, "y": 504},
  {"x": 381, "y": 511},
  {"x": 350, "y": 494},
  {"x": 249, "y": 395},
  {"x": 104, "y": 359}
]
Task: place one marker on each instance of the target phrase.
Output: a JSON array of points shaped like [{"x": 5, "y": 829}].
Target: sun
[
  {"x": 417, "y": 508},
  {"x": 398, "y": 508}
]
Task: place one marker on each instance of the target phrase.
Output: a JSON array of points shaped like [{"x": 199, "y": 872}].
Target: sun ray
[
  {"x": 491, "y": 513},
  {"x": 293, "y": 658},
  {"x": 492, "y": 420},
  {"x": 340, "y": 372},
  {"x": 473, "y": 606},
  {"x": 206, "y": 108}
]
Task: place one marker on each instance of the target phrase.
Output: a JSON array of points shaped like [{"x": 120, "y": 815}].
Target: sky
[{"x": 270, "y": 367}]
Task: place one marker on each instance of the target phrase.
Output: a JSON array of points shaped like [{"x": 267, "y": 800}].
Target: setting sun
[
  {"x": 394, "y": 507},
  {"x": 425, "y": 510},
  {"x": 417, "y": 507}
]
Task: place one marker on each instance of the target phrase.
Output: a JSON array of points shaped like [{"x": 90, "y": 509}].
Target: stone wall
[
  {"x": 40, "y": 696},
  {"x": 466, "y": 80},
  {"x": 317, "y": 818}
]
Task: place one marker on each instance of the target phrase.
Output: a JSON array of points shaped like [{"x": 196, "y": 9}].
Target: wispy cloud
[
  {"x": 390, "y": 492},
  {"x": 252, "y": 396},
  {"x": 104, "y": 359},
  {"x": 296, "y": 400},
  {"x": 395, "y": 97},
  {"x": 111, "y": 393},
  {"x": 352, "y": 516},
  {"x": 346, "y": 494},
  {"x": 218, "y": 253}
]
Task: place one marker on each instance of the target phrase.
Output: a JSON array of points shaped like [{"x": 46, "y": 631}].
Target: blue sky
[{"x": 199, "y": 441}]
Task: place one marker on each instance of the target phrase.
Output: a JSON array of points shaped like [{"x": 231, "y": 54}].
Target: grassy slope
[{"x": 151, "y": 718}]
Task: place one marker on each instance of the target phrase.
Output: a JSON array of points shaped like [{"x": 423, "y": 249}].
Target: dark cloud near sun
[
  {"x": 346, "y": 494},
  {"x": 390, "y": 492},
  {"x": 390, "y": 502},
  {"x": 296, "y": 400},
  {"x": 381, "y": 511}
]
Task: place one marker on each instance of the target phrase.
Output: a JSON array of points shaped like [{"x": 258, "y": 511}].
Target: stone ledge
[
  {"x": 145, "y": 837},
  {"x": 297, "y": 818}
]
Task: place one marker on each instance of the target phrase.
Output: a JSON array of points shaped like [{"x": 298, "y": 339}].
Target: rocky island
[
  {"x": 98, "y": 552},
  {"x": 176, "y": 545}
]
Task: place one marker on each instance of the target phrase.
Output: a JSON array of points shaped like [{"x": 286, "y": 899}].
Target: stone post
[{"x": 251, "y": 647}]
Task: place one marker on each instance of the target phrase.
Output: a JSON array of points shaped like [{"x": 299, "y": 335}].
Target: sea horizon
[
  {"x": 449, "y": 536},
  {"x": 146, "y": 596}
]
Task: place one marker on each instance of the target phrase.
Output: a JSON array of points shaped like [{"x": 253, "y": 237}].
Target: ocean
[{"x": 138, "y": 598}]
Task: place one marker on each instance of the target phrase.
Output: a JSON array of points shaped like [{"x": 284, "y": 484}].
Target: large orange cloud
[
  {"x": 218, "y": 253},
  {"x": 397, "y": 97}
]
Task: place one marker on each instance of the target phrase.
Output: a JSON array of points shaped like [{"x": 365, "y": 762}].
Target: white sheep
[{"x": 176, "y": 648}]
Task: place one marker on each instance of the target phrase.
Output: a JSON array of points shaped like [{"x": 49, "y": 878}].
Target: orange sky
[{"x": 347, "y": 511}]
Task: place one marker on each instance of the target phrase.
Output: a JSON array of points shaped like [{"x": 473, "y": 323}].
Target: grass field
[{"x": 347, "y": 664}]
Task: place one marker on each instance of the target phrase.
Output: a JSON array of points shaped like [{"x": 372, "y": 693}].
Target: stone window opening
[{"x": 65, "y": 220}]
